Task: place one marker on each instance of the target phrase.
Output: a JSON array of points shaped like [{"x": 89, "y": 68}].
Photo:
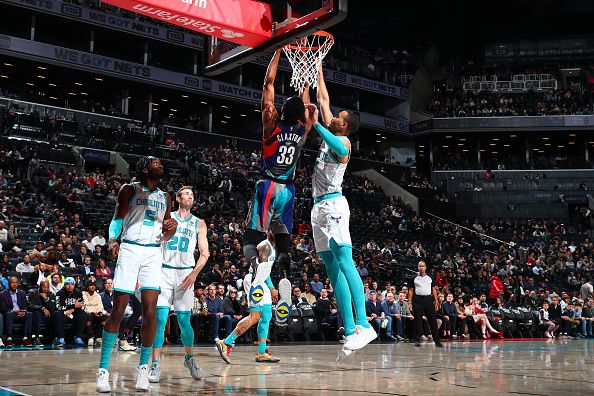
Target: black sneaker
[
  {"x": 38, "y": 342},
  {"x": 392, "y": 338},
  {"x": 417, "y": 343}
]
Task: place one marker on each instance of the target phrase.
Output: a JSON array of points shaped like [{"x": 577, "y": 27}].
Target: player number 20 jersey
[
  {"x": 144, "y": 220},
  {"x": 280, "y": 152},
  {"x": 179, "y": 250}
]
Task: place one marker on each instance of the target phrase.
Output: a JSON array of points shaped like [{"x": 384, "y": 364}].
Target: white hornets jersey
[
  {"x": 328, "y": 173},
  {"x": 144, "y": 220},
  {"x": 179, "y": 250}
]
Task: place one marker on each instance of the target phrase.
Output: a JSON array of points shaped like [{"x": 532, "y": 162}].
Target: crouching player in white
[
  {"x": 143, "y": 219},
  {"x": 177, "y": 281},
  {"x": 260, "y": 294},
  {"x": 330, "y": 218}
]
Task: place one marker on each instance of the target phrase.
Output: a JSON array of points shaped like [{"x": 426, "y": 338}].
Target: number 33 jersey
[
  {"x": 179, "y": 250},
  {"x": 281, "y": 151},
  {"x": 144, "y": 219}
]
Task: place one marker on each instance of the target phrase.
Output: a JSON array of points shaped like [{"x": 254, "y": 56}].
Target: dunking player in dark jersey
[{"x": 271, "y": 208}]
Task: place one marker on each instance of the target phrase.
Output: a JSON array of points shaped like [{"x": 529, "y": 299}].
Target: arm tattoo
[{"x": 264, "y": 252}]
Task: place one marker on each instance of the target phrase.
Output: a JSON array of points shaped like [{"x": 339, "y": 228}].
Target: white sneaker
[
  {"x": 103, "y": 381},
  {"x": 142, "y": 381},
  {"x": 424, "y": 338},
  {"x": 195, "y": 371},
  {"x": 362, "y": 337},
  {"x": 283, "y": 308},
  {"x": 1, "y": 343},
  {"x": 343, "y": 354},
  {"x": 548, "y": 335},
  {"x": 154, "y": 374},
  {"x": 91, "y": 342}
]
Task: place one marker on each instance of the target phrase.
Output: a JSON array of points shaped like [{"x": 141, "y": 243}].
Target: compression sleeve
[
  {"x": 335, "y": 143},
  {"x": 115, "y": 227},
  {"x": 269, "y": 283}
]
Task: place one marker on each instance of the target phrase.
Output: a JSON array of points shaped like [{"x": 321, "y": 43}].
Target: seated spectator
[
  {"x": 103, "y": 270},
  {"x": 40, "y": 274},
  {"x": 13, "y": 306},
  {"x": 450, "y": 316},
  {"x": 481, "y": 320},
  {"x": 65, "y": 262},
  {"x": 25, "y": 265},
  {"x": 325, "y": 309},
  {"x": 42, "y": 303},
  {"x": 99, "y": 239},
  {"x": 232, "y": 307},
  {"x": 374, "y": 311},
  {"x": 69, "y": 304},
  {"x": 395, "y": 314},
  {"x": 98, "y": 254},
  {"x": 12, "y": 233},
  {"x": 39, "y": 250},
  {"x": 316, "y": 286},
  {"x": 216, "y": 314},
  {"x": 199, "y": 310},
  {"x": 297, "y": 298},
  {"x": 3, "y": 233},
  {"x": 308, "y": 295},
  {"x": 86, "y": 268},
  {"x": 95, "y": 313},
  {"x": 221, "y": 292},
  {"x": 15, "y": 245},
  {"x": 56, "y": 283},
  {"x": 107, "y": 296}
]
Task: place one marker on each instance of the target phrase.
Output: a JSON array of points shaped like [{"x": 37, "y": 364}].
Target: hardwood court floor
[{"x": 562, "y": 367}]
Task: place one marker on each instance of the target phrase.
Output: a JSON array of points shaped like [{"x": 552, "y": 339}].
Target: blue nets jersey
[{"x": 281, "y": 151}]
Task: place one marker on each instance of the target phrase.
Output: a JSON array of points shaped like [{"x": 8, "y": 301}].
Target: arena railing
[{"x": 78, "y": 116}]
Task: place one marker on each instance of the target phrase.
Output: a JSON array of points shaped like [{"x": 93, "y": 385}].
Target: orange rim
[{"x": 294, "y": 47}]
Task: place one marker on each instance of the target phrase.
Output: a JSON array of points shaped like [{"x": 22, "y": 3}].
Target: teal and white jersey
[
  {"x": 144, "y": 220},
  {"x": 328, "y": 173},
  {"x": 179, "y": 250}
]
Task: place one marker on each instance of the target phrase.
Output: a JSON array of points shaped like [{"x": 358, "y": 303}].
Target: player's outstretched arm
[
  {"x": 304, "y": 95},
  {"x": 269, "y": 113},
  {"x": 169, "y": 224},
  {"x": 202, "y": 245},
  {"x": 340, "y": 147},
  {"x": 324, "y": 99}
]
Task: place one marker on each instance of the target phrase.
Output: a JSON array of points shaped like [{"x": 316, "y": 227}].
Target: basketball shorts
[
  {"x": 259, "y": 298},
  {"x": 140, "y": 265},
  {"x": 271, "y": 208},
  {"x": 330, "y": 220},
  {"x": 172, "y": 292}
]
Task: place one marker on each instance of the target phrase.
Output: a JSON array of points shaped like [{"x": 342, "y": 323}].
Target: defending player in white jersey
[
  {"x": 178, "y": 275},
  {"x": 330, "y": 217},
  {"x": 143, "y": 222}
]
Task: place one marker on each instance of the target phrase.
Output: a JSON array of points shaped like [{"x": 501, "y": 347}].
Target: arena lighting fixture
[
  {"x": 460, "y": 144},
  {"x": 445, "y": 146},
  {"x": 591, "y": 142},
  {"x": 223, "y": 121},
  {"x": 243, "y": 115},
  {"x": 42, "y": 77},
  {"x": 513, "y": 136},
  {"x": 492, "y": 144},
  {"x": 173, "y": 110},
  {"x": 53, "y": 97},
  {"x": 545, "y": 138},
  {"x": 462, "y": 140},
  {"x": 42, "y": 68},
  {"x": 98, "y": 79},
  {"x": 535, "y": 149},
  {"x": 506, "y": 145},
  {"x": 547, "y": 144},
  {"x": 378, "y": 141},
  {"x": 224, "y": 106},
  {"x": 448, "y": 136},
  {"x": 495, "y": 139},
  {"x": 572, "y": 134},
  {"x": 227, "y": 117},
  {"x": 378, "y": 134},
  {"x": 421, "y": 146},
  {"x": 385, "y": 138},
  {"x": 77, "y": 83},
  {"x": 203, "y": 102},
  {"x": 164, "y": 100},
  {"x": 71, "y": 93},
  {"x": 30, "y": 84},
  {"x": 561, "y": 146},
  {"x": 8, "y": 64},
  {"x": 494, "y": 152},
  {"x": 465, "y": 150},
  {"x": 571, "y": 143},
  {"x": 185, "y": 96},
  {"x": 52, "y": 85},
  {"x": 3, "y": 76},
  {"x": 84, "y": 93},
  {"x": 257, "y": 110},
  {"x": 482, "y": 150}
]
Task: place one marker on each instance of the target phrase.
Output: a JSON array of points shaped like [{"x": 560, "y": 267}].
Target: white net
[{"x": 305, "y": 56}]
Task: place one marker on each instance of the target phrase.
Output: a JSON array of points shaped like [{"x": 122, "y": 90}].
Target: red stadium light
[{"x": 244, "y": 22}]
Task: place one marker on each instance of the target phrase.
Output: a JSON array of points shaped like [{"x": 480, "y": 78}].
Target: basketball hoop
[{"x": 305, "y": 56}]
